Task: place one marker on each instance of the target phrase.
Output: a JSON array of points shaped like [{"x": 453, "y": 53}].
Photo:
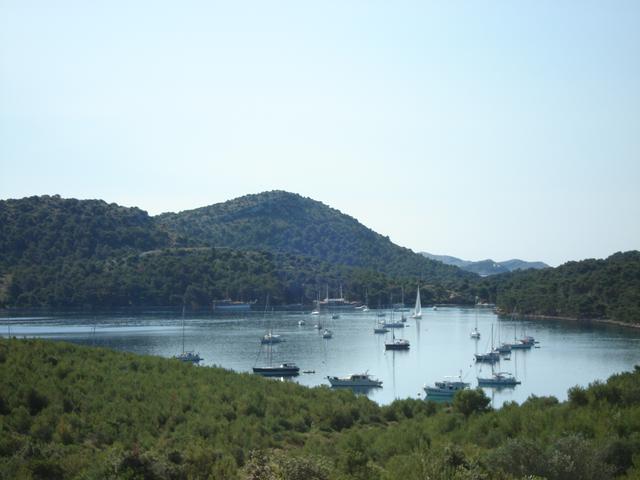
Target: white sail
[{"x": 417, "y": 311}]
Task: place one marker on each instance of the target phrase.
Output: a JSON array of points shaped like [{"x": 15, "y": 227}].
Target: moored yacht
[
  {"x": 282, "y": 370},
  {"x": 520, "y": 345},
  {"x": 191, "y": 357},
  {"x": 446, "y": 388},
  {"x": 271, "y": 338},
  {"x": 498, "y": 379},
  {"x": 355, "y": 380},
  {"x": 397, "y": 344},
  {"x": 489, "y": 357}
]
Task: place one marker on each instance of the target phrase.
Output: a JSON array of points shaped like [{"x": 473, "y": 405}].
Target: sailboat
[
  {"x": 270, "y": 337},
  {"x": 191, "y": 357},
  {"x": 396, "y": 343},
  {"x": 475, "y": 334},
  {"x": 282, "y": 370},
  {"x": 417, "y": 311},
  {"x": 498, "y": 379},
  {"x": 492, "y": 356}
]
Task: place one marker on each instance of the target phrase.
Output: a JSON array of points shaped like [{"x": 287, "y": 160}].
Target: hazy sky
[{"x": 477, "y": 129}]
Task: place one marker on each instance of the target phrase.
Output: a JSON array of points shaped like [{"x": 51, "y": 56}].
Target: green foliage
[
  {"x": 589, "y": 289},
  {"x": 37, "y": 230},
  {"x": 468, "y": 402},
  {"x": 284, "y": 222},
  {"x": 69, "y": 253},
  {"x": 78, "y": 412},
  {"x": 167, "y": 277}
]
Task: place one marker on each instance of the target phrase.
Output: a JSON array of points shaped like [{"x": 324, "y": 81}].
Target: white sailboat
[
  {"x": 475, "y": 333},
  {"x": 284, "y": 369},
  {"x": 417, "y": 311}
]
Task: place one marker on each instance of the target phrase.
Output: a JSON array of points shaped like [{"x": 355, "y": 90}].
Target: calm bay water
[{"x": 569, "y": 354}]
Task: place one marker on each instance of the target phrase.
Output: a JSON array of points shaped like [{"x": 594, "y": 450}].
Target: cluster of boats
[{"x": 443, "y": 390}]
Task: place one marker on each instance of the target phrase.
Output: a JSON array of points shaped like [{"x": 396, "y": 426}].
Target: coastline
[{"x": 604, "y": 321}]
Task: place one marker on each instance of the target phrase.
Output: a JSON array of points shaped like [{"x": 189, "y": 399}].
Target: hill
[
  {"x": 86, "y": 253},
  {"x": 284, "y": 222},
  {"x": 588, "y": 289},
  {"x": 68, "y": 411},
  {"x": 486, "y": 267},
  {"x": 40, "y": 230}
]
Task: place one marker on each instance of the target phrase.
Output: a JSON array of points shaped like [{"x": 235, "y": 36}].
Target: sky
[{"x": 479, "y": 129}]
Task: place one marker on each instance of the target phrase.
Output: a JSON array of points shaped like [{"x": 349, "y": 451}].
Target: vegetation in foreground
[{"x": 68, "y": 411}]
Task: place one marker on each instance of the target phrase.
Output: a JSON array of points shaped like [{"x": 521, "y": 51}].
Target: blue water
[{"x": 569, "y": 353}]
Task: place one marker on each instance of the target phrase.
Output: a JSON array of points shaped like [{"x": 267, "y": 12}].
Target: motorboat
[
  {"x": 355, "y": 380},
  {"x": 189, "y": 357},
  {"x": 271, "y": 338},
  {"x": 397, "y": 344},
  {"x": 282, "y": 370},
  {"x": 446, "y": 388}
]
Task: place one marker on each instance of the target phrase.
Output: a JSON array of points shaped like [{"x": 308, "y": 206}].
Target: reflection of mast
[
  {"x": 393, "y": 373},
  {"x": 418, "y": 337}
]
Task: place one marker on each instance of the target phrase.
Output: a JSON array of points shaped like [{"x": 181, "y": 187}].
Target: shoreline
[{"x": 604, "y": 321}]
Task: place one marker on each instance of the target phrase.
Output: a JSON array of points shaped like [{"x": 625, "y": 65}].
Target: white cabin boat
[
  {"x": 446, "y": 388},
  {"x": 355, "y": 380}
]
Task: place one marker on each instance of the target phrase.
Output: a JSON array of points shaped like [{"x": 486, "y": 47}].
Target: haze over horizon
[{"x": 477, "y": 130}]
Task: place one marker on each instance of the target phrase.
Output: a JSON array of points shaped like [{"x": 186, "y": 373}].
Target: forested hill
[
  {"x": 58, "y": 252},
  {"x": 284, "y": 222},
  {"x": 38, "y": 230},
  {"x": 596, "y": 289}
]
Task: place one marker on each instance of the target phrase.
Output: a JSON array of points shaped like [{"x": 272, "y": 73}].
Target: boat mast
[{"x": 183, "y": 307}]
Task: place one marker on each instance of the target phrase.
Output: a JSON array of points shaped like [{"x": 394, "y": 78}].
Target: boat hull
[
  {"x": 277, "y": 371},
  {"x": 393, "y": 325},
  {"x": 488, "y": 382},
  {"x": 396, "y": 346},
  {"x": 338, "y": 382}
]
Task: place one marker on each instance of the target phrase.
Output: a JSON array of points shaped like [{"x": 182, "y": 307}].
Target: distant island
[{"x": 487, "y": 267}]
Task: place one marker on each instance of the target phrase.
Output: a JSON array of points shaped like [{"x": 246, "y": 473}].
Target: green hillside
[
  {"x": 87, "y": 253},
  {"x": 166, "y": 277},
  {"x": 288, "y": 223},
  {"x": 76, "y": 412},
  {"x": 588, "y": 289},
  {"x": 39, "y": 230}
]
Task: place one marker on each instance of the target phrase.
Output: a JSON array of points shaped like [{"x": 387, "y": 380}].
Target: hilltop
[{"x": 285, "y": 222}]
